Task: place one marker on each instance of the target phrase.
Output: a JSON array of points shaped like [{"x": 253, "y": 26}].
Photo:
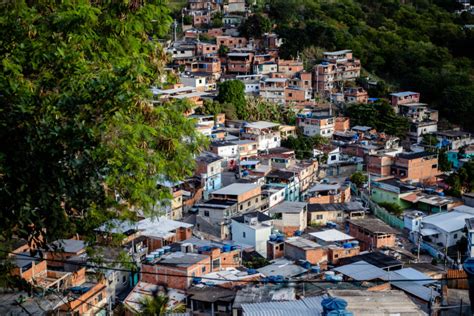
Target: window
[
  {"x": 319, "y": 216},
  {"x": 455, "y": 236},
  {"x": 333, "y": 157},
  {"x": 290, "y": 94},
  {"x": 434, "y": 166},
  {"x": 124, "y": 279},
  {"x": 241, "y": 207},
  {"x": 212, "y": 169},
  {"x": 206, "y": 213},
  {"x": 99, "y": 297},
  {"x": 248, "y": 204},
  {"x": 203, "y": 270},
  {"x": 336, "y": 256},
  {"x": 244, "y": 235},
  {"x": 256, "y": 200}
]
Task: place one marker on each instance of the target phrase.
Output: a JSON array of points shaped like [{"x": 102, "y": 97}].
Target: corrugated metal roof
[
  {"x": 310, "y": 306},
  {"x": 361, "y": 271}
]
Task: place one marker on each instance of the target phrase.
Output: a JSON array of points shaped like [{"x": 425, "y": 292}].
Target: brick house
[
  {"x": 328, "y": 193},
  {"x": 372, "y": 233},
  {"x": 298, "y": 248},
  {"x": 404, "y": 98},
  {"x": 231, "y": 42},
  {"x": 342, "y": 124},
  {"x": 336, "y": 253},
  {"x": 416, "y": 166},
  {"x": 176, "y": 270}
]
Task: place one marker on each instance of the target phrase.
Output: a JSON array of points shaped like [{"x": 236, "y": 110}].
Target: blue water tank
[
  {"x": 347, "y": 245},
  {"x": 167, "y": 249},
  {"x": 441, "y": 193},
  {"x": 251, "y": 271},
  {"x": 197, "y": 280},
  {"x": 333, "y": 304},
  {"x": 315, "y": 269},
  {"x": 298, "y": 233},
  {"x": 273, "y": 237},
  {"x": 226, "y": 248}
]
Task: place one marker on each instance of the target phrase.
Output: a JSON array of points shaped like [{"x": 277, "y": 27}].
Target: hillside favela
[{"x": 237, "y": 157}]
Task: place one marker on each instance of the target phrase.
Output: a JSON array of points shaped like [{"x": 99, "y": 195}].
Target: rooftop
[
  {"x": 450, "y": 221},
  {"x": 261, "y": 125},
  {"x": 236, "y": 189},
  {"x": 403, "y": 94},
  {"x": 261, "y": 217},
  {"x": 283, "y": 267},
  {"x": 368, "y": 303},
  {"x": 267, "y": 293},
  {"x": 302, "y": 243},
  {"x": 415, "y": 155},
  {"x": 67, "y": 245},
  {"x": 288, "y": 207},
  {"x": 338, "y": 52},
  {"x": 182, "y": 259},
  {"x": 309, "y": 306},
  {"x": 331, "y": 235},
  {"x": 348, "y": 206},
  {"x": 377, "y": 258},
  {"x": 374, "y": 225}
]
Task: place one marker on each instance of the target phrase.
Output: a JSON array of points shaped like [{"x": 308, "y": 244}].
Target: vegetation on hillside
[{"x": 411, "y": 44}]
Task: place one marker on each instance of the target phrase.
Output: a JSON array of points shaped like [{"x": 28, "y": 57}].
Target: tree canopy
[
  {"x": 411, "y": 44},
  {"x": 81, "y": 140},
  {"x": 380, "y": 116}
]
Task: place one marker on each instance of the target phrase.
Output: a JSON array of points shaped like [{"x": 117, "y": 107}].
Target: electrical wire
[{"x": 81, "y": 264}]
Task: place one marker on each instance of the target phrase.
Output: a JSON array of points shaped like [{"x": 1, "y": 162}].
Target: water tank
[
  {"x": 328, "y": 275},
  {"x": 273, "y": 237},
  {"x": 155, "y": 254},
  {"x": 333, "y": 304},
  {"x": 298, "y": 233},
  {"x": 315, "y": 269},
  {"x": 306, "y": 265},
  {"x": 226, "y": 248},
  {"x": 160, "y": 251},
  {"x": 251, "y": 271},
  {"x": 167, "y": 249},
  {"x": 347, "y": 245},
  {"x": 149, "y": 258},
  {"x": 197, "y": 280}
]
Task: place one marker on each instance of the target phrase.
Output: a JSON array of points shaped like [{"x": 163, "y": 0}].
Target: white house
[
  {"x": 333, "y": 153},
  {"x": 267, "y": 134},
  {"x": 253, "y": 229},
  {"x": 274, "y": 194},
  {"x": 227, "y": 150},
  {"x": 412, "y": 220},
  {"x": 316, "y": 125},
  {"x": 446, "y": 229}
]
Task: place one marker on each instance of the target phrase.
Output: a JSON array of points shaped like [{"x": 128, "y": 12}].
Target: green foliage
[
  {"x": 158, "y": 306},
  {"x": 410, "y": 43},
  {"x": 443, "y": 162},
  {"x": 216, "y": 20},
  {"x": 462, "y": 180},
  {"x": 223, "y": 50},
  {"x": 256, "y": 263},
  {"x": 304, "y": 145},
  {"x": 380, "y": 116},
  {"x": 359, "y": 179},
  {"x": 233, "y": 92},
  {"x": 255, "y": 26},
  {"x": 77, "y": 124},
  {"x": 392, "y": 208},
  {"x": 187, "y": 20}
]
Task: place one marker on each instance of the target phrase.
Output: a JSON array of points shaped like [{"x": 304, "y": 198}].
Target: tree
[
  {"x": 255, "y": 26},
  {"x": 359, "y": 179},
  {"x": 78, "y": 125},
  {"x": 223, "y": 51},
  {"x": 158, "y": 306},
  {"x": 380, "y": 116},
  {"x": 392, "y": 208},
  {"x": 443, "y": 162},
  {"x": 233, "y": 92},
  {"x": 216, "y": 20},
  {"x": 304, "y": 145}
]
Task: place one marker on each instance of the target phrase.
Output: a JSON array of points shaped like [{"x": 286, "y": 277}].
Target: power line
[{"x": 217, "y": 279}]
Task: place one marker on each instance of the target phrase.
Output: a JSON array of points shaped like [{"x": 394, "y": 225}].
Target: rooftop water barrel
[
  {"x": 273, "y": 237},
  {"x": 298, "y": 233},
  {"x": 149, "y": 258},
  {"x": 226, "y": 248},
  {"x": 315, "y": 269},
  {"x": 347, "y": 245},
  {"x": 251, "y": 271},
  {"x": 167, "y": 249}
]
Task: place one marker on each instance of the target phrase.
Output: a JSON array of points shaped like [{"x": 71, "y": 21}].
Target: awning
[{"x": 429, "y": 232}]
